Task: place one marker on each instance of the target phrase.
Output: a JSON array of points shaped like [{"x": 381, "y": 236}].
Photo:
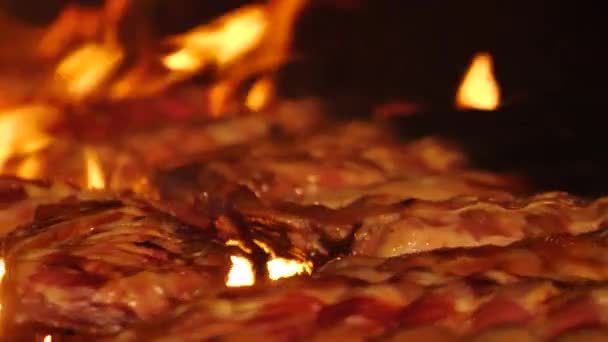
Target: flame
[
  {"x": 220, "y": 42},
  {"x": 48, "y": 338},
  {"x": 29, "y": 168},
  {"x": 479, "y": 88},
  {"x": 84, "y": 70},
  {"x": 23, "y": 130},
  {"x": 284, "y": 268},
  {"x": 2, "y": 272},
  {"x": 280, "y": 267},
  {"x": 2, "y": 269},
  {"x": 260, "y": 94},
  {"x": 249, "y": 41},
  {"x": 95, "y": 175},
  {"x": 241, "y": 272}
]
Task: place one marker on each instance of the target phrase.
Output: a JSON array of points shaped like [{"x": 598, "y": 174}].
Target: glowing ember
[
  {"x": 284, "y": 268},
  {"x": 260, "y": 94},
  {"x": 241, "y": 272},
  {"x": 23, "y": 131},
  {"x": 95, "y": 176},
  {"x": 479, "y": 89}
]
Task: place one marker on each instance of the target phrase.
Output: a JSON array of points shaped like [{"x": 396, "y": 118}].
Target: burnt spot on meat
[{"x": 10, "y": 193}]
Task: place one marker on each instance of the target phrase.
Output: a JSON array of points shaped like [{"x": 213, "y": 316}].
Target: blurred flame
[
  {"x": 84, "y": 70},
  {"x": 220, "y": 42},
  {"x": 2, "y": 269},
  {"x": 479, "y": 88},
  {"x": 260, "y": 94},
  {"x": 48, "y": 338},
  {"x": 23, "y": 130},
  {"x": 95, "y": 175},
  {"x": 2, "y": 272},
  {"x": 29, "y": 168},
  {"x": 219, "y": 96},
  {"x": 241, "y": 272},
  {"x": 249, "y": 41}
]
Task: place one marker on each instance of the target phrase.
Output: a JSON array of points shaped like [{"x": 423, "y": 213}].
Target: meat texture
[
  {"x": 19, "y": 199},
  {"x": 430, "y": 296},
  {"x": 96, "y": 266}
]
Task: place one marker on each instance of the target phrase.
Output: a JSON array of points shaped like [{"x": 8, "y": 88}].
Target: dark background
[{"x": 355, "y": 54}]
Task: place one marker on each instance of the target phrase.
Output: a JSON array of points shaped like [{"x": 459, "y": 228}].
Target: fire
[
  {"x": 29, "y": 168},
  {"x": 2, "y": 269},
  {"x": 23, "y": 130},
  {"x": 2, "y": 272},
  {"x": 249, "y": 41},
  {"x": 48, "y": 338},
  {"x": 220, "y": 42},
  {"x": 84, "y": 70},
  {"x": 479, "y": 88},
  {"x": 241, "y": 272},
  {"x": 95, "y": 175},
  {"x": 260, "y": 94},
  {"x": 284, "y": 268}
]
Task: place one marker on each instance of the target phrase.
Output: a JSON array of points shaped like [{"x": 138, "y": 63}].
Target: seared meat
[
  {"x": 332, "y": 168},
  {"x": 19, "y": 199},
  {"x": 408, "y": 242},
  {"x": 372, "y": 227},
  {"x": 330, "y": 308},
  {"x": 562, "y": 257},
  {"x": 96, "y": 266}
]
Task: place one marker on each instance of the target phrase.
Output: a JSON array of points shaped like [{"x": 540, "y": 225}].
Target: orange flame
[
  {"x": 220, "y": 42},
  {"x": 479, "y": 88},
  {"x": 84, "y": 70},
  {"x": 283, "y": 268},
  {"x": 2, "y": 272},
  {"x": 95, "y": 175},
  {"x": 250, "y": 41},
  {"x": 260, "y": 94},
  {"x": 23, "y": 130}
]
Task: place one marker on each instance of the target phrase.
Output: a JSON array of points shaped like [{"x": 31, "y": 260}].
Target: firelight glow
[
  {"x": 479, "y": 88},
  {"x": 241, "y": 272},
  {"x": 95, "y": 176},
  {"x": 260, "y": 94},
  {"x": 284, "y": 268},
  {"x": 23, "y": 131}
]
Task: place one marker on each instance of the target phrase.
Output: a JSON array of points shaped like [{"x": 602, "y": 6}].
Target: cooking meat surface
[
  {"x": 96, "y": 266},
  {"x": 396, "y": 300},
  {"x": 19, "y": 199},
  {"x": 408, "y": 242}
]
